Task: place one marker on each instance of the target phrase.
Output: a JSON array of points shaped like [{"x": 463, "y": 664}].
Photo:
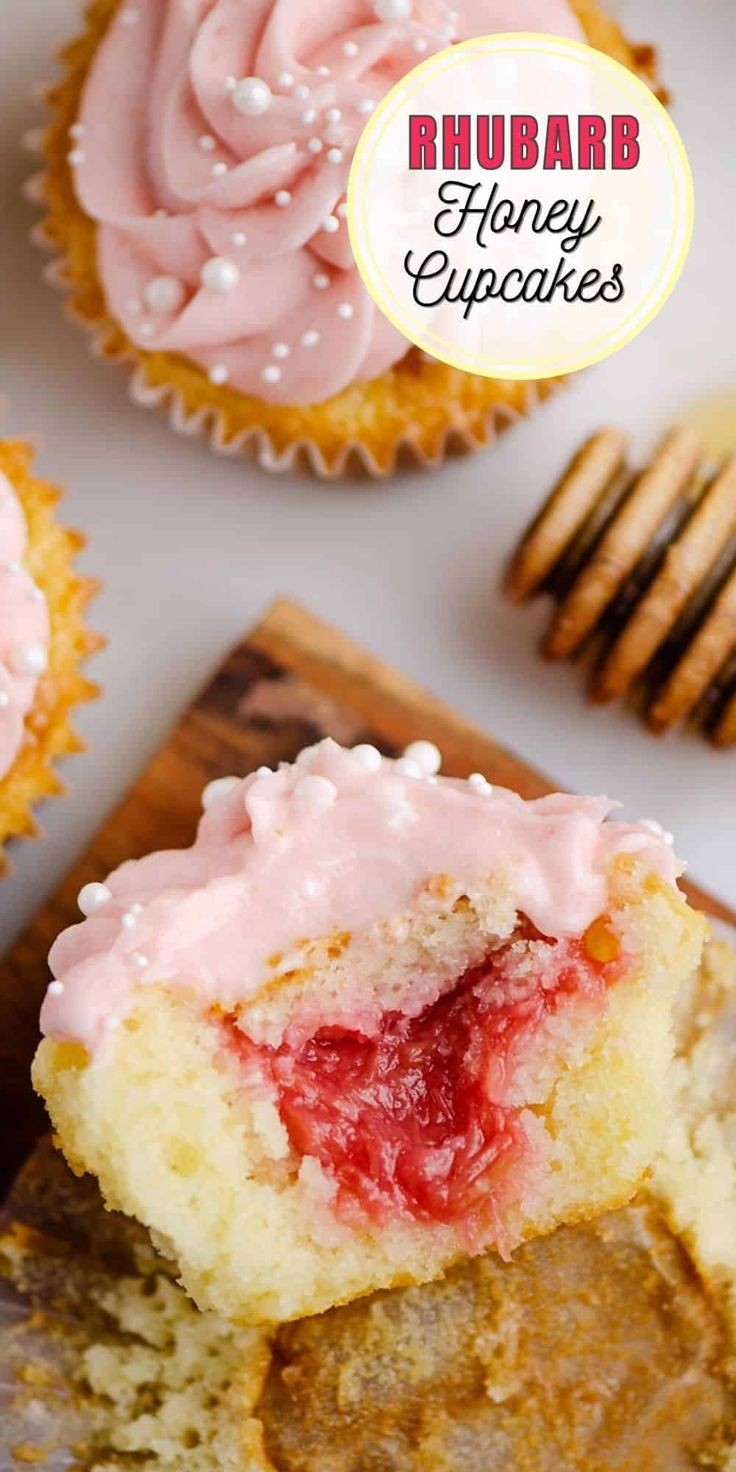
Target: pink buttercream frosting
[
  {"x": 24, "y": 628},
  {"x": 177, "y": 176},
  {"x": 338, "y": 840}
]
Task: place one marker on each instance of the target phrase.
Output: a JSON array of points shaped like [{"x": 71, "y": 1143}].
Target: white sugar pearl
[
  {"x": 334, "y": 155},
  {"x": 331, "y": 224},
  {"x": 238, "y": 237},
  {"x": 221, "y": 787},
  {"x": 271, "y": 374},
  {"x": 252, "y": 96},
  {"x": 315, "y": 792},
  {"x": 342, "y": 210},
  {"x": 164, "y": 294},
  {"x": 301, "y": 91},
  {"x": 282, "y": 198},
  {"x": 407, "y": 768},
  {"x": 76, "y": 130},
  {"x": 310, "y": 338},
  {"x": 389, "y": 10},
  {"x": 11, "y": 566},
  {"x": 219, "y": 273},
  {"x": 218, "y": 374},
  {"x": 112, "y": 1024},
  {"x": 231, "y": 83},
  {"x": 145, "y": 330},
  {"x": 92, "y": 897},
  {"x": 367, "y": 757},
  {"x": 4, "y": 700},
  {"x": 365, "y": 104},
  {"x": 345, "y": 311},
  {"x": 207, "y": 143},
  {"x": 127, "y": 920},
  {"x": 264, "y": 772},
  {"x": 426, "y": 755},
  {"x": 218, "y": 170},
  {"x": 285, "y": 79},
  {"x": 479, "y": 783},
  {"x": 333, "y": 114},
  {"x": 139, "y": 960},
  {"x": 309, "y": 114},
  {"x": 323, "y": 71},
  {"x": 320, "y": 282},
  {"x": 56, "y": 988},
  {"x": 281, "y": 350},
  {"x": 28, "y": 658},
  {"x": 420, "y": 44},
  {"x": 76, "y": 156},
  {"x": 315, "y": 145},
  {"x": 133, "y": 305},
  {"x": 349, "y": 48}
]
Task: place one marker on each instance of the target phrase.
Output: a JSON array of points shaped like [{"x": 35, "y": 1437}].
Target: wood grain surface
[{"x": 292, "y": 680}]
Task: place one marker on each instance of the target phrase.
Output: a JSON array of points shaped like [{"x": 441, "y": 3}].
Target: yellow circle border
[{"x": 545, "y": 45}]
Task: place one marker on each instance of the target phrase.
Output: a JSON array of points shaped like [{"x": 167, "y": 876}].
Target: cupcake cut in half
[
  {"x": 371, "y": 1021},
  {"x": 195, "y": 177},
  {"x": 43, "y": 641}
]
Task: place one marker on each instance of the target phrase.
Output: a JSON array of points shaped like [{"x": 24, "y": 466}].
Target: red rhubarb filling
[{"x": 412, "y": 1121}]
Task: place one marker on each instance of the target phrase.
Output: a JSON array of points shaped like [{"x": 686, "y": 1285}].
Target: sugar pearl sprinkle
[
  {"x": 426, "y": 755},
  {"x": 368, "y": 757},
  {"x": 345, "y": 310},
  {"x": 271, "y": 373},
  {"x": 282, "y": 198},
  {"x": 92, "y": 897},
  {"x": 219, "y": 273},
  {"x": 251, "y": 96},
  {"x": 56, "y": 988},
  {"x": 28, "y": 659},
  {"x": 479, "y": 783},
  {"x": 310, "y": 338},
  {"x": 164, "y": 294},
  {"x": 218, "y": 374},
  {"x": 321, "y": 281}
]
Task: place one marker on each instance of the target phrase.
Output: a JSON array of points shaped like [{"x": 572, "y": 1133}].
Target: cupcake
[
  {"x": 43, "y": 641},
  {"x": 194, "y": 187},
  {"x": 373, "y": 1020}
]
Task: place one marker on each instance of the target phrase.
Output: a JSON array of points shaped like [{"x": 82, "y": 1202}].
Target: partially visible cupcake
[
  {"x": 43, "y": 641},
  {"x": 196, "y": 169}
]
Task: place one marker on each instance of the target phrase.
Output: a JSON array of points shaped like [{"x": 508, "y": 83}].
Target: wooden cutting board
[{"x": 291, "y": 680}]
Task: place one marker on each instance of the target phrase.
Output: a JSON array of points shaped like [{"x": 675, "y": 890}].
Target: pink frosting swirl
[
  {"x": 178, "y": 176},
  {"x": 24, "y": 628}
]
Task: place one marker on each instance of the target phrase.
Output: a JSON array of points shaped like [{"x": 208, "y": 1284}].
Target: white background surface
[{"x": 191, "y": 548}]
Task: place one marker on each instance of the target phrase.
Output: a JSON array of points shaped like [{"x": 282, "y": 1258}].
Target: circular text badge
[{"x": 520, "y": 206}]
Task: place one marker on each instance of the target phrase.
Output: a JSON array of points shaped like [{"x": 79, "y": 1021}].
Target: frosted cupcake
[
  {"x": 373, "y": 1020},
  {"x": 43, "y": 641},
  {"x": 196, "y": 170}
]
